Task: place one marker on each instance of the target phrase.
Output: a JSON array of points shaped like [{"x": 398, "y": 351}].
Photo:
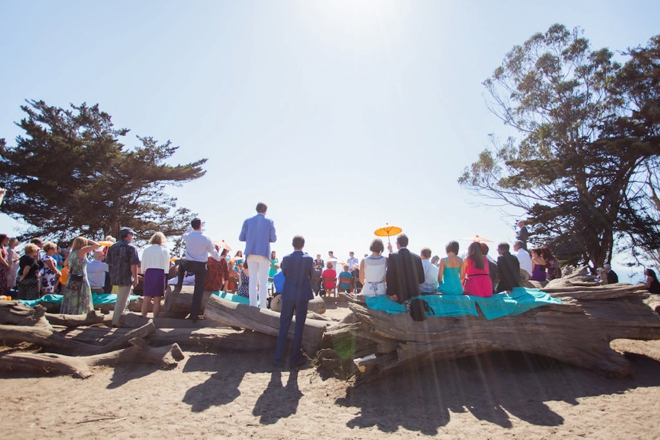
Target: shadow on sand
[{"x": 492, "y": 387}]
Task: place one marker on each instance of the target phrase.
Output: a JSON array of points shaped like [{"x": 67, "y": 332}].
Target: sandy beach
[{"x": 241, "y": 395}]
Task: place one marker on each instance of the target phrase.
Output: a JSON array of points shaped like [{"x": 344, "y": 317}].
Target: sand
[{"x": 241, "y": 395}]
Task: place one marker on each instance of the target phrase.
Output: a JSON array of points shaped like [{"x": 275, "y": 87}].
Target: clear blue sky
[{"x": 339, "y": 115}]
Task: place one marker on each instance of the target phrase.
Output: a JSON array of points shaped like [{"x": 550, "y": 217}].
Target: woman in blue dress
[
  {"x": 244, "y": 288},
  {"x": 449, "y": 271}
]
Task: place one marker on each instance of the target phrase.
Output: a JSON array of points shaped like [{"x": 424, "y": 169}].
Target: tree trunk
[
  {"x": 578, "y": 332},
  {"x": 47, "y": 363},
  {"x": 229, "y": 313}
]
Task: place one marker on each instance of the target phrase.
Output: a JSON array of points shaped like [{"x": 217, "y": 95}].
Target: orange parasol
[
  {"x": 388, "y": 231},
  {"x": 222, "y": 245},
  {"x": 478, "y": 239},
  {"x": 105, "y": 243}
]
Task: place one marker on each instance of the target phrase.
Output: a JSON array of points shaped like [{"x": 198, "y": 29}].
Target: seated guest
[
  {"x": 538, "y": 266},
  {"x": 612, "y": 277},
  {"x": 346, "y": 280},
  {"x": 601, "y": 276},
  {"x": 430, "y": 284},
  {"x": 508, "y": 269},
  {"x": 278, "y": 282},
  {"x": 329, "y": 277},
  {"x": 231, "y": 284},
  {"x": 525, "y": 261},
  {"x": 449, "y": 275},
  {"x": 652, "y": 281},
  {"x": 492, "y": 265},
  {"x": 96, "y": 272},
  {"x": 404, "y": 272},
  {"x": 373, "y": 269},
  {"x": 475, "y": 273},
  {"x": 316, "y": 280},
  {"x": 552, "y": 263},
  {"x": 244, "y": 288},
  {"x": 435, "y": 261},
  {"x": 217, "y": 272}
]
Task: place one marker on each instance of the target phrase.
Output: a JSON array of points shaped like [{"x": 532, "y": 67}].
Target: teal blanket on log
[
  {"x": 97, "y": 298},
  {"x": 519, "y": 301}
]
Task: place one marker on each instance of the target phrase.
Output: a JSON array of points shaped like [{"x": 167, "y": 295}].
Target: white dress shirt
[{"x": 525, "y": 260}]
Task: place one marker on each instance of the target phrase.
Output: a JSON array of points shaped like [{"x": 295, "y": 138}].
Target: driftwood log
[
  {"x": 227, "y": 313},
  {"x": 40, "y": 332},
  {"x": 180, "y": 302},
  {"x": 578, "y": 332},
  {"x": 80, "y": 366}
]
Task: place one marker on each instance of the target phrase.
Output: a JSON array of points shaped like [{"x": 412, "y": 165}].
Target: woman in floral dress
[
  {"x": 77, "y": 298},
  {"x": 51, "y": 274}
]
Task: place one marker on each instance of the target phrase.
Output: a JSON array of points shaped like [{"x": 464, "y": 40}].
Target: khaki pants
[{"x": 122, "y": 297}]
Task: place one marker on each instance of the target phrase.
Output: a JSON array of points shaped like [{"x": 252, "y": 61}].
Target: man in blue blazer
[{"x": 297, "y": 268}]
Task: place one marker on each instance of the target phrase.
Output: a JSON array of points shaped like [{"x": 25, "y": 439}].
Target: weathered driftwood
[
  {"x": 205, "y": 339},
  {"x": 93, "y": 317},
  {"x": 16, "y": 313},
  {"x": 80, "y": 366},
  {"x": 227, "y": 313},
  {"x": 316, "y": 305},
  {"x": 577, "y": 332},
  {"x": 40, "y": 332},
  {"x": 181, "y": 301}
]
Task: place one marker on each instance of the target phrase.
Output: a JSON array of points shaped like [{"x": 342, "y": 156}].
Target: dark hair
[
  {"x": 377, "y": 245},
  {"x": 452, "y": 246},
  {"x": 224, "y": 252},
  {"x": 245, "y": 265},
  {"x": 196, "y": 223},
  {"x": 504, "y": 247},
  {"x": 37, "y": 241},
  {"x": 261, "y": 207},
  {"x": 3, "y": 237},
  {"x": 298, "y": 242},
  {"x": 547, "y": 254},
  {"x": 271, "y": 254},
  {"x": 402, "y": 239},
  {"x": 651, "y": 273},
  {"x": 537, "y": 251},
  {"x": 474, "y": 254},
  {"x": 484, "y": 248},
  {"x": 426, "y": 253}
]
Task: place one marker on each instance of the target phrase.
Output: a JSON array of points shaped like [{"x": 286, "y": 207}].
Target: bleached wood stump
[{"x": 578, "y": 332}]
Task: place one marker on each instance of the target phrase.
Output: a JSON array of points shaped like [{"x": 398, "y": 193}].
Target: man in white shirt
[
  {"x": 430, "y": 284},
  {"x": 198, "y": 248},
  {"x": 354, "y": 268},
  {"x": 525, "y": 261},
  {"x": 96, "y": 271}
]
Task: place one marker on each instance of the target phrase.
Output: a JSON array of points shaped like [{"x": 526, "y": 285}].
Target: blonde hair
[
  {"x": 30, "y": 248},
  {"x": 49, "y": 246},
  {"x": 12, "y": 241},
  {"x": 110, "y": 238},
  {"x": 78, "y": 243},
  {"x": 158, "y": 238}
]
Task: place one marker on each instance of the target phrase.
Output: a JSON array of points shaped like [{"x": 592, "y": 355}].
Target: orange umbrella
[
  {"x": 478, "y": 239},
  {"x": 388, "y": 231},
  {"x": 222, "y": 245},
  {"x": 105, "y": 243}
]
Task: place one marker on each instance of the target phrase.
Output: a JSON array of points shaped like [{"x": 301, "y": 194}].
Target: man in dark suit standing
[
  {"x": 404, "y": 272},
  {"x": 508, "y": 269},
  {"x": 612, "y": 277},
  {"x": 297, "y": 268},
  {"x": 522, "y": 234}
]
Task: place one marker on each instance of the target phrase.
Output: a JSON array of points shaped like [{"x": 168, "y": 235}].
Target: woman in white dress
[{"x": 373, "y": 269}]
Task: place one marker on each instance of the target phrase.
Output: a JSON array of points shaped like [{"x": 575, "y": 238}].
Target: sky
[{"x": 340, "y": 115}]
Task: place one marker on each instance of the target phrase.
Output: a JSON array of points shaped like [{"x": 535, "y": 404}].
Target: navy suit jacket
[{"x": 297, "y": 268}]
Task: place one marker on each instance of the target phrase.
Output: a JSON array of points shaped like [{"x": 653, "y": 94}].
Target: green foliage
[
  {"x": 70, "y": 175},
  {"x": 576, "y": 169}
]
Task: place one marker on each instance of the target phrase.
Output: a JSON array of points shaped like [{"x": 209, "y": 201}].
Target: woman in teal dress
[
  {"x": 274, "y": 265},
  {"x": 77, "y": 299},
  {"x": 449, "y": 271}
]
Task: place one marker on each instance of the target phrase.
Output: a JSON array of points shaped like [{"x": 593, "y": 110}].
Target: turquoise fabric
[
  {"x": 98, "y": 299},
  {"x": 519, "y": 301},
  {"x": 451, "y": 305},
  {"x": 231, "y": 297}
]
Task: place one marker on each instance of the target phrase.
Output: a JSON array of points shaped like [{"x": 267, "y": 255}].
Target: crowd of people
[{"x": 87, "y": 267}]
